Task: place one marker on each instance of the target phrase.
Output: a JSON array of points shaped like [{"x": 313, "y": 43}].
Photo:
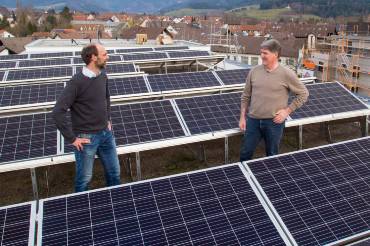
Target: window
[
  {"x": 254, "y": 61},
  {"x": 245, "y": 59}
]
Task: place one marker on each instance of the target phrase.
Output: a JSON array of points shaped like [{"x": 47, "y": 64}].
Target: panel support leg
[
  {"x": 300, "y": 137},
  {"x": 226, "y": 150},
  {"x": 138, "y": 166},
  {"x": 328, "y": 133},
  {"x": 364, "y": 123},
  {"x": 35, "y": 189}
]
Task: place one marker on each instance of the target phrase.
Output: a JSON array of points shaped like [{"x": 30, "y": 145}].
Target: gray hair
[{"x": 272, "y": 45}]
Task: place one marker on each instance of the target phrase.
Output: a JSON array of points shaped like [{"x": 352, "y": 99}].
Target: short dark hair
[
  {"x": 272, "y": 45},
  {"x": 87, "y": 53}
]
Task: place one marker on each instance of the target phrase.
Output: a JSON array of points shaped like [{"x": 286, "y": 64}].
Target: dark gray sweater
[{"x": 89, "y": 102}]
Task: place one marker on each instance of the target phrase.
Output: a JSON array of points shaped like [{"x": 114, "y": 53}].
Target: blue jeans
[
  {"x": 257, "y": 129},
  {"x": 101, "y": 144}
]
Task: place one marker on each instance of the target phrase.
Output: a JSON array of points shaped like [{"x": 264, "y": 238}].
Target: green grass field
[{"x": 191, "y": 12}]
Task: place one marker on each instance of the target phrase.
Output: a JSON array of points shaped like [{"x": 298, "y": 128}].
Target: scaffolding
[{"x": 224, "y": 37}]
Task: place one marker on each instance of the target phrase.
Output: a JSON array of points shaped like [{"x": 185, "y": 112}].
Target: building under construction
[{"x": 344, "y": 57}]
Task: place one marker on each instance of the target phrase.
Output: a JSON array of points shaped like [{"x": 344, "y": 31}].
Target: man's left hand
[
  {"x": 281, "y": 115},
  {"x": 109, "y": 126}
]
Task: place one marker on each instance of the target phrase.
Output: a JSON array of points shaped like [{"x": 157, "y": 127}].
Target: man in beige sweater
[{"x": 264, "y": 102}]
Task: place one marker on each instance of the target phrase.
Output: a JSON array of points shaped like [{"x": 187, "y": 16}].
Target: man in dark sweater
[{"x": 87, "y": 97}]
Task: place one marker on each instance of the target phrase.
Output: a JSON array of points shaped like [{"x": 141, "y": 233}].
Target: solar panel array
[
  {"x": 120, "y": 68},
  {"x": 177, "y": 81},
  {"x": 205, "y": 114},
  {"x": 233, "y": 77},
  {"x": 144, "y": 56},
  {"x": 143, "y": 122},
  {"x": 15, "y": 225},
  {"x": 127, "y": 86},
  {"x": 171, "y": 48},
  {"x": 321, "y": 195},
  {"x": 193, "y": 53},
  {"x": 211, "y": 207},
  {"x": 328, "y": 98},
  {"x": 40, "y": 93},
  {"x": 78, "y": 53},
  {"x": 13, "y": 57},
  {"x": 44, "y": 62},
  {"x": 119, "y": 51},
  {"x": 51, "y": 54},
  {"x": 42, "y": 73},
  {"x": 27, "y": 136},
  {"x": 116, "y": 68},
  {"x": 7, "y": 64},
  {"x": 30, "y": 94}
]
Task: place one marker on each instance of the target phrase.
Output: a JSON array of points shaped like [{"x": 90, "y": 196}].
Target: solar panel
[
  {"x": 328, "y": 98},
  {"x": 120, "y": 68},
  {"x": 211, "y": 207},
  {"x": 144, "y": 122},
  {"x": 13, "y": 57},
  {"x": 29, "y": 94},
  {"x": 78, "y": 60},
  {"x": 113, "y": 58},
  {"x": 321, "y": 195},
  {"x": 204, "y": 114},
  {"x": 172, "y": 48},
  {"x": 233, "y": 77},
  {"x": 176, "y": 81},
  {"x": 126, "y": 86},
  {"x": 115, "y": 68},
  {"x": 8, "y": 64},
  {"x": 17, "y": 224},
  {"x": 1, "y": 76},
  {"x": 42, "y": 73},
  {"x": 44, "y": 62},
  {"x": 144, "y": 56},
  {"x": 133, "y": 50},
  {"x": 193, "y": 53},
  {"x": 27, "y": 136},
  {"x": 78, "y": 53},
  {"x": 51, "y": 54}
]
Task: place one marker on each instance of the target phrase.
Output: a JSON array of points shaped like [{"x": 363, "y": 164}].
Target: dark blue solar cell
[
  {"x": 144, "y": 56},
  {"x": 156, "y": 215},
  {"x": 192, "y": 53},
  {"x": 177, "y": 81},
  {"x": 206, "y": 114},
  {"x": 15, "y": 224},
  {"x": 44, "y": 62},
  {"x": 38, "y": 137},
  {"x": 51, "y": 54},
  {"x": 118, "y": 51},
  {"x": 41, "y": 73},
  {"x": 231, "y": 77},
  {"x": 8, "y": 64},
  {"x": 13, "y": 57},
  {"x": 127, "y": 86},
  {"x": 319, "y": 200},
  {"x": 328, "y": 98},
  {"x": 30, "y": 94},
  {"x": 171, "y": 48}
]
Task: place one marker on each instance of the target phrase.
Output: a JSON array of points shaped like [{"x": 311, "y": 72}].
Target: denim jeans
[
  {"x": 256, "y": 130},
  {"x": 103, "y": 145}
]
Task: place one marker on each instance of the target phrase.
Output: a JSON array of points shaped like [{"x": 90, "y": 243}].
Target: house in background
[{"x": 6, "y": 34}]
